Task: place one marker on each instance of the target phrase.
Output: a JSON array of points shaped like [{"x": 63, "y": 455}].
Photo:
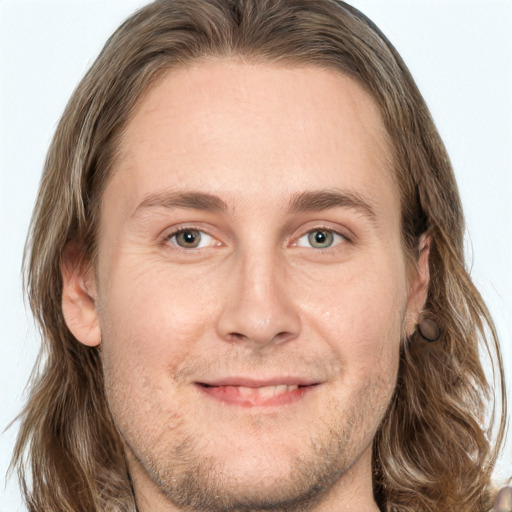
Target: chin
[
  {"x": 293, "y": 485},
  {"x": 252, "y": 473}
]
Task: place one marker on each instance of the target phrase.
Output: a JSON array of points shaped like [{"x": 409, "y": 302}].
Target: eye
[
  {"x": 190, "y": 239},
  {"x": 320, "y": 239}
]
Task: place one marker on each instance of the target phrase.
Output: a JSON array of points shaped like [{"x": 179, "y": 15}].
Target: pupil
[{"x": 320, "y": 237}]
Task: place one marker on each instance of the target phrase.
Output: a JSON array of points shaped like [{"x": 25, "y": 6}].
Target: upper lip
[{"x": 251, "y": 382}]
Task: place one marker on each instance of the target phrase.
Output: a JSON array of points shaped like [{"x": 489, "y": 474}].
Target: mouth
[{"x": 244, "y": 393}]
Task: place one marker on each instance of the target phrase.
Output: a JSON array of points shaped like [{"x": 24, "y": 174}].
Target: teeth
[
  {"x": 279, "y": 390},
  {"x": 267, "y": 391}
]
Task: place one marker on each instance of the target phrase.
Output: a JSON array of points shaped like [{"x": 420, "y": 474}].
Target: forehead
[{"x": 254, "y": 133}]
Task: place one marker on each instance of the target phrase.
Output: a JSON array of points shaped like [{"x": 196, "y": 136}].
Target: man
[{"x": 247, "y": 236}]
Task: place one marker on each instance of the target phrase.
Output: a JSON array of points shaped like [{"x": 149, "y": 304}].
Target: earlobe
[{"x": 79, "y": 296}]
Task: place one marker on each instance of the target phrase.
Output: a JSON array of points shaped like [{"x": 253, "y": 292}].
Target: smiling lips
[{"x": 252, "y": 394}]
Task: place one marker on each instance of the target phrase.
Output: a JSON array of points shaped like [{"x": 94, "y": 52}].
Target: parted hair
[{"x": 437, "y": 445}]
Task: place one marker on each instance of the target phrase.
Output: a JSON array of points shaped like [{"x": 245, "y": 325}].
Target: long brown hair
[{"x": 432, "y": 451}]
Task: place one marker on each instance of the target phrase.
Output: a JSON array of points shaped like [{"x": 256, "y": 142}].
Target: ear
[
  {"x": 79, "y": 296},
  {"x": 418, "y": 285}
]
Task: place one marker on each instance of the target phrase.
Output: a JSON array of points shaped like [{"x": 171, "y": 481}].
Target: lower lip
[{"x": 231, "y": 395}]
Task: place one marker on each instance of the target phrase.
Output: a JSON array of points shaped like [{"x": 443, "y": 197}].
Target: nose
[{"x": 258, "y": 309}]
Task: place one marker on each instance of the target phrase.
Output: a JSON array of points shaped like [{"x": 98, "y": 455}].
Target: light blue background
[{"x": 459, "y": 51}]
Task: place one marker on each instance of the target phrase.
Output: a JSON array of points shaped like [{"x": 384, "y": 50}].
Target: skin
[{"x": 258, "y": 301}]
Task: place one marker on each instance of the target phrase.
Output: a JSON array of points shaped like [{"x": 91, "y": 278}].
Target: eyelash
[
  {"x": 169, "y": 237},
  {"x": 341, "y": 238}
]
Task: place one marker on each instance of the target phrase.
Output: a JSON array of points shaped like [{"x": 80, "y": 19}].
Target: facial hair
[{"x": 195, "y": 483}]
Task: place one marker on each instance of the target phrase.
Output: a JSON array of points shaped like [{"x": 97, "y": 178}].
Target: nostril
[
  {"x": 283, "y": 336},
  {"x": 236, "y": 336}
]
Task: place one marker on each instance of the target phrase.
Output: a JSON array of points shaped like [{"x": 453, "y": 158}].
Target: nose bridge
[{"x": 259, "y": 309}]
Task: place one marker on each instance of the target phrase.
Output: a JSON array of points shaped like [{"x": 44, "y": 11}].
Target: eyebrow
[
  {"x": 309, "y": 201},
  {"x": 190, "y": 200},
  {"x": 326, "y": 199}
]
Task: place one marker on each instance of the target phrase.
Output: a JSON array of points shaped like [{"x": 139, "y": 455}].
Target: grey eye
[
  {"x": 188, "y": 239},
  {"x": 320, "y": 238}
]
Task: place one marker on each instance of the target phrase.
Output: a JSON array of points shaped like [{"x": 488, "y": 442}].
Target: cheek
[
  {"x": 151, "y": 322},
  {"x": 154, "y": 305},
  {"x": 361, "y": 314}
]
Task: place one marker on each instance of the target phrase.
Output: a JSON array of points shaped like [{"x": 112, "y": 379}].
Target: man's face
[{"x": 251, "y": 288}]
